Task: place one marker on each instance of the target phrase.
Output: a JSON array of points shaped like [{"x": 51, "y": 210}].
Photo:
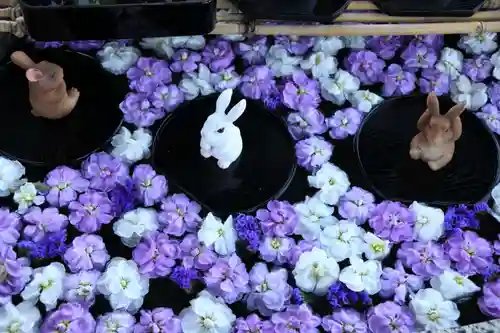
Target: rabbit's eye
[{"x": 220, "y": 130}]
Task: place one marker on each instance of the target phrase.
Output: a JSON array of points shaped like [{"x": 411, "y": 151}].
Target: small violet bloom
[
  {"x": 41, "y": 222},
  {"x": 390, "y": 317},
  {"x": 257, "y": 82},
  {"x": 418, "y": 57},
  {"x": 396, "y": 282},
  {"x": 296, "y": 318},
  {"x": 339, "y": 295},
  {"x": 306, "y": 123},
  {"x": 156, "y": 254},
  {"x": 425, "y": 259},
  {"x": 195, "y": 255},
  {"x": 15, "y": 273},
  {"x": 491, "y": 117},
  {"x": 185, "y": 61},
  {"x": 432, "y": 80},
  {"x": 91, "y": 211},
  {"x": 86, "y": 252},
  {"x": 345, "y": 320},
  {"x": 167, "y": 97},
  {"x": 81, "y": 287},
  {"x": 365, "y": 65},
  {"x": 301, "y": 93},
  {"x": 138, "y": 109},
  {"x": 344, "y": 123},
  {"x": 228, "y": 278},
  {"x": 10, "y": 227},
  {"x": 184, "y": 277},
  {"x": 69, "y": 317},
  {"x": 397, "y": 82},
  {"x": 250, "y": 324},
  {"x": 392, "y": 221},
  {"x": 65, "y": 184},
  {"x": 479, "y": 68},
  {"x": 278, "y": 218},
  {"x": 151, "y": 187},
  {"x": 148, "y": 74},
  {"x": 253, "y": 50},
  {"x": 158, "y": 320},
  {"x": 356, "y": 205},
  {"x": 470, "y": 253},
  {"x": 489, "y": 302},
  {"x": 218, "y": 55},
  {"x": 248, "y": 229},
  {"x": 385, "y": 46},
  {"x": 104, "y": 171},
  {"x": 276, "y": 249},
  {"x": 313, "y": 152},
  {"x": 227, "y": 78},
  {"x": 118, "y": 321},
  {"x": 179, "y": 215},
  {"x": 297, "y": 45}
]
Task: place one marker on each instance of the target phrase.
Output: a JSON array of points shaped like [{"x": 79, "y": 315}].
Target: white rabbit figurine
[{"x": 220, "y": 138}]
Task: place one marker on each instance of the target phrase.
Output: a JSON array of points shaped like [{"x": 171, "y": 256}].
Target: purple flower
[
  {"x": 228, "y": 278},
  {"x": 356, "y": 205},
  {"x": 179, "y": 214},
  {"x": 301, "y": 92},
  {"x": 276, "y": 249},
  {"x": 491, "y": 117},
  {"x": 86, "y": 252},
  {"x": 425, "y": 259},
  {"x": 392, "y": 221},
  {"x": 433, "y": 80},
  {"x": 64, "y": 184},
  {"x": 40, "y": 222},
  {"x": 123, "y": 197},
  {"x": 306, "y": 123},
  {"x": 436, "y": 42},
  {"x": 248, "y": 229},
  {"x": 296, "y": 318},
  {"x": 138, "y": 110},
  {"x": 250, "y": 324},
  {"x": 227, "y": 78},
  {"x": 345, "y": 320},
  {"x": 344, "y": 123},
  {"x": 257, "y": 82},
  {"x": 269, "y": 291},
  {"x": 277, "y": 219},
  {"x": 494, "y": 94},
  {"x": 185, "y": 61},
  {"x": 299, "y": 248},
  {"x": 418, "y": 57},
  {"x": 489, "y": 302},
  {"x": 156, "y": 254},
  {"x": 81, "y": 287},
  {"x": 85, "y": 45},
  {"x": 296, "y": 297},
  {"x": 104, "y": 171},
  {"x": 51, "y": 246},
  {"x": 396, "y": 282},
  {"x": 148, "y": 74},
  {"x": 390, "y": 317},
  {"x": 10, "y": 226},
  {"x": 397, "y": 82},
  {"x": 385, "y": 46},
  {"x": 218, "y": 55},
  {"x": 273, "y": 99},
  {"x": 470, "y": 253},
  {"x": 365, "y": 65},
  {"x": 460, "y": 217},
  {"x": 253, "y": 51},
  {"x": 119, "y": 321},
  {"x": 195, "y": 255},
  {"x": 158, "y": 320},
  {"x": 479, "y": 68},
  {"x": 47, "y": 45},
  {"x": 151, "y": 187},
  {"x": 313, "y": 152},
  {"x": 184, "y": 277},
  {"x": 339, "y": 296},
  {"x": 15, "y": 273},
  {"x": 298, "y": 45},
  {"x": 167, "y": 97},
  {"x": 69, "y": 318},
  {"x": 91, "y": 211}
]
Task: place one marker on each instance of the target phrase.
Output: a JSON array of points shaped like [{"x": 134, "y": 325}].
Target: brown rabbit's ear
[
  {"x": 433, "y": 104},
  {"x": 454, "y": 116},
  {"x": 455, "y": 111}
]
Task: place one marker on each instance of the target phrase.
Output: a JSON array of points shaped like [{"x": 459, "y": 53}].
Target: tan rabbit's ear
[
  {"x": 455, "y": 111},
  {"x": 433, "y": 104},
  {"x": 456, "y": 124}
]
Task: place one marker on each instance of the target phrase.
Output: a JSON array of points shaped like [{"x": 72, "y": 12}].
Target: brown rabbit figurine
[
  {"x": 435, "y": 144},
  {"x": 47, "y": 89}
]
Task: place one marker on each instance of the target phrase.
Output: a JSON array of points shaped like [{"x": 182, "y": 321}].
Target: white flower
[
  {"x": 331, "y": 181},
  {"x": 374, "y": 247},
  {"x": 478, "y": 42},
  {"x": 338, "y": 88},
  {"x": 315, "y": 271},
  {"x": 195, "y": 43},
  {"x": 354, "y": 42},
  {"x": 364, "y": 100},
  {"x": 21, "y": 318},
  {"x": 429, "y": 222},
  {"x": 320, "y": 64},
  {"x": 362, "y": 275},
  {"x": 432, "y": 312},
  {"x": 26, "y": 196},
  {"x": 136, "y": 224},
  {"x": 453, "y": 285},
  {"x": 131, "y": 147},
  {"x": 47, "y": 285},
  {"x": 207, "y": 314},
  {"x": 118, "y": 58},
  {"x": 343, "y": 240},
  {"x": 281, "y": 62},
  {"x": 162, "y": 46},
  {"x": 11, "y": 173},
  {"x": 328, "y": 45},
  {"x": 233, "y": 38},
  {"x": 451, "y": 62},
  {"x": 196, "y": 83},
  {"x": 221, "y": 235},
  {"x": 495, "y": 61},
  {"x": 313, "y": 215},
  {"x": 495, "y": 194},
  {"x": 472, "y": 94},
  {"x": 123, "y": 285}
]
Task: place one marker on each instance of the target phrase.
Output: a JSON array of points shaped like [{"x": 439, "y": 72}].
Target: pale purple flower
[
  {"x": 148, "y": 74},
  {"x": 365, "y": 65},
  {"x": 250, "y": 324},
  {"x": 470, "y": 253},
  {"x": 388, "y": 317},
  {"x": 115, "y": 322},
  {"x": 65, "y": 184},
  {"x": 385, "y": 46},
  {"x": 40, "y": 222},
  {"x": 278, "y": 218},
  {"x": 494, "y": 94},
  {"x": 87, "y": 252},
  {"x": 392, "y": 221},
  {"x": 158, "y": 320},
  {"x": 156, "y": 254},
  {"x": 10, "y": 227},
  {"x": 276, "y": 249},
  {"x": 298, "y": 45},
  {"x": 15, "y": 273},
  {"x": 491, "y": 117},
  {"x": 81, "y": 287},
  {"x": 69, "y": 318},
  {"x": 104, "y": 171},
  {"x": 179, "y": 214},
  {"x": 227, "y": 78},
  {"x": 151, "y": 186},
  {"x": 343, "y": 123},
  {"x": 306, "y": 123},
  {"x": 396, "y": 282},
  {"x": 479, "y": 68},
  {"x": 436, "y": 42},
  {"x": 91, "y": 211},
  {"x": 356, "y": 205},
  {"x": 257, "y": 82},
  {"x": 138, "y": 110},
  {"x": 313, "y": 152},
  {"x": 432, "y": 80},
  {"x": 253, "y": 50},
  {"x": 296, "y": 318},
  {"x": 299, "y": 248},
  {"x": 489, "y": 302},
  {"x": 397, "y": 82},
  {"x": 418, "y": 57},
  {"x": 228, "y": 278},
  {"x": 185, "y": 61},
  {"x": 425, "y": 259},
  {"x": 167, "y": 97},
  {"x": 218, "y": 55},
  {"x": 345, "y": 320},
  {"x": 301, "y": 92},
  {"x": 196, "y": 255}
]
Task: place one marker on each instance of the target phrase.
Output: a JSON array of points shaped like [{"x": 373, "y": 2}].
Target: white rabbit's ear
[
  {"x": 223, "y": 101},
  {"x": 236, "y": 111}
]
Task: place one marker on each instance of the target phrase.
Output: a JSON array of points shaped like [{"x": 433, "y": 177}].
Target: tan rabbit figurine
[
  {"x": 47, "y": 89},
  {"x": 435, "y": 144}
]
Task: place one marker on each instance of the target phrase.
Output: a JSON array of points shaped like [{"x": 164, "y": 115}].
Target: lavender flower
[
  {"x": 85, "y": 45},
  {"x": 253, "y": 51},
  {"x": 138, "y": 110},
  {"x": 343, "y": 123},
  {"x": 357, "y": 204},
  {"x": 298, "y": 45},
  {"x": 167, "y": 97},
  {"x": 118, "y": 321},
  {"x": 151, "y": 187},
  {"x": 87, "y": 252},
  {"x": 460, "y": 217},
  {"x": 248, "y": 229},
  {"x": 491, "y": 117},
  {"x": 91, "y": 211},
  {"x": 436, "y": 42},
  {"x": 425, "y": 259},
  {"x": 276, "y": 249},
  {"x": 179, "y": 215},
  {"x": 250, "y": 324},
  {"x": 81, "y": 287},
  {"x": 390, "y": 317},
  {"x": 306, "y": 123},
  {"x": 396, "y": 282},
  {"x": 296, "y": 318},
  {"x": 257, "y": 82},
  {"x": 277, "y": 219},
  {"x": 470, "y": 253},
  {"x": 365, "y": 65},
  {"x": 64, "y": 184},
  {"x": 10, "y": 226},
  {"x": 51, "y": 246},
  {"x": 123, "y": 197},
  {"x": 228, "y": 278},
  {"x": 432, "y": 80},
  {"x": 195, "y": 255},
  {"x": 392, "y": 221},
  {"x": 418, "y": 57},
  {"x": 218, "y": 55},
  {"x": 184, "y": 276},
  {"x": 158, "y": 320},
  {"x": 385, "y": 46},
  {"x": 313, "y": 152},
  {"x": 301, "y": 93},
  {"x": 148, "y": 74},
  {"x": 489, "y": 302},
  {"x": 479, "y": 68},
  {"x": 339, "y": 295},
  {"x": 494, "y": 94},
  {"x": 227, "y": 78},
  {"x": 104, "y": 171},
  {"x": 345, "y": 320},
  {"x": 69, "y": 318},
  {"x": 397, "y": 82},
  {"x": 40, "y": 222},
  {"x": 185, "y": 61},
  {"x": 156, "y": 254},
  {"x": 15, "y": 273}
]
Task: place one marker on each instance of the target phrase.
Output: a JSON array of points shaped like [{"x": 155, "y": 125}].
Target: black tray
[
  {"x": 457, "y": 8},
  {"x": 117, "y": 19},
  {"x": 323, "y": 11}
]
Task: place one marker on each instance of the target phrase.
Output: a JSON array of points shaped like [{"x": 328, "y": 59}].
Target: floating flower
[
  {"x": 151, "y": 186},
  {"x": 71, "y": 317},
  {"x": 435, "y": 81},
  {"x": 336, "y": 89},
  {"x": 158, "y": 320},
  {"x": 167, "y": 97},
  {"x": 162, "y": 46},
  {"x": 301, "y": 93},
  {"x": 104, "y": 171},
  {"x": 450, "y": 62},
  {"x": 51, "y": 246},
  {"x": 315, "y": 272},
  {"x": 221, "y": 236},
  {"x": 362, "y": 275},
  {"x": 344, "y": 320},
  {"x": 225, "y": 79},
  {"x": 425, "y": 259},
  {"x": 436, "y": 42},
  {"x": 118, "y": 321},
  {"x": 21, "y": 318},
  {"x": 81, "y": 287},
  {"x": 418, "y": 56},
  {"x": 478, "y": 42},
  {"x": 65, "y": 184},
  {"x": 432, "y": 311},
  {"x": 179, "y": 214},
  {"x": 91, "y": 211},
  {"x": 313, "y": 152},
  {"x": 118, "y": 58},
  {"x": 461, "y": 217},
  {"x": 385, "y": 46},
  {"x": 15, "y": 273},
  {"x": 342, "y": 240},
  {"x": 339, "y": 295},
  {"x": 156, "y": 254},
  {"x": 248, "y": 229},
  {"x": 390, "y": 317},
  {"x": 491, "y": 117},
  {"x": 196, "y": 83},
  {"x": 393, "y": 221},
  {"x": 453, "y": 285},
  {"x": 343, "y": 123},
  {"x": 148, "y": 74},
  {"x": 131, "y": 147},
  {"x": 297, "y": 45},
  {"x": 86, "y": 252},
  {"x": 195, "y": 43},
  {"x": 253, "y": 51},
  {"x": 196, "y": 255},
  {"x": 40, "y": 222},
  {"x": 276, "y": 249},
  {"x": 331, "y": 181},
  {"x": 313, "y": 217},
  {"x": 374, "y": 247},
  {"x": 429, "y": 222},
  {"x": 281, "y": 63},
  {"x": 296, "y": 318},
  {"x": 184, "y": 277},
  {"x": 479, "y": 68},
  {"x": 185, "y": 61},
  {"x": 328, "y": 45},
  {"x": 472, "y": 95},
  {"x": 320, "y": 64},
  {"x": 252, "y": 323},
  {"x": 138, "y": 109},
  {"x": 26, "y": 196},
  {"x": 397, "y": 82},
  {"x": 279, "y": 218},
  {"x": 489, "y": 302},
  {"x": 228, "y": 279},
  {"x": 306, "y": 123},
  {"x": 396, "y": 282},
  {"x": 470, "y": 253},
  {"x": 47, "y": 285},
  {"x": 218, "y": 55},
  {"x": 136, "y": 224},
  {"x": 364, "y": 100},
  {"x": 11, "y": 173},
  {"x": 356, "y": 205},
  {"x": 257, "y": 82},
  {"x": 365, "y": 65}
]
